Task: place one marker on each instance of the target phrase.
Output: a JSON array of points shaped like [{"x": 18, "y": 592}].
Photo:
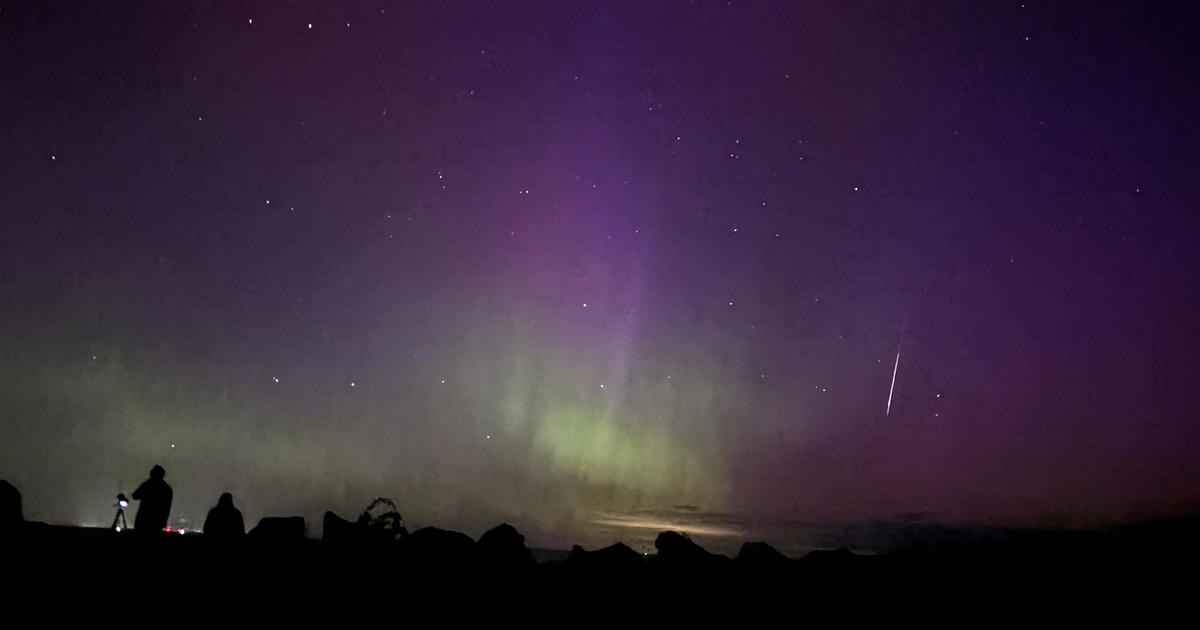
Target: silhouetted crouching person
[
  {"x": 155, "y": 496},
  {"x": 224, "y": 521}
]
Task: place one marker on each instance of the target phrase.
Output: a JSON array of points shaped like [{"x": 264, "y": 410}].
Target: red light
[{"x": 168, "y": 528}]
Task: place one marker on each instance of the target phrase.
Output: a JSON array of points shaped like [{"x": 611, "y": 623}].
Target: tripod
[{"x": 119, "y": 523}]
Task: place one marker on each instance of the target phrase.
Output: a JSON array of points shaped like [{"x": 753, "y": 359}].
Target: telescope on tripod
[{"x": 118, "y": 523}]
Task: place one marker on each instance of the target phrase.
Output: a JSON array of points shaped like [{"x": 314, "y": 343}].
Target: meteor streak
[
  {"x": 893, "y": 387},
  {"x": 896, "y": 367}
]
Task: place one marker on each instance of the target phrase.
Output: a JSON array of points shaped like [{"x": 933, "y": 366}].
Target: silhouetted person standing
[
  {"x": 155, "y": 496},
  {"x": 11, "y": 518},
  {"x": 224, "y": 521}
]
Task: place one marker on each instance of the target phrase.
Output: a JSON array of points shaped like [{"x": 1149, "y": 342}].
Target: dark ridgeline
[
  {"x": 428, "y": 558},
  {"x": 155, "y": 507},
  {"x": 374, "y": 560},
  {"x": 337, "y": 531},
  {"x": 224, "y": 521},
  {"x": 440, "y": 552},
  {"x": 379, "y": 523},
  {"x": 678, "y": 551},
  {"x": 760, "y": 554},
  {"x": 598, "y": 570},
  {"x": 279, "y": 529},
  {"x": 615, "y": 558},
  {"x": 503, "y": 549}
]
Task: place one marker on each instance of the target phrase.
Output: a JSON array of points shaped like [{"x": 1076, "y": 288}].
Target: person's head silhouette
[
  {"x": 226, "y": 501},
  {"x": 157, "y": 472}
]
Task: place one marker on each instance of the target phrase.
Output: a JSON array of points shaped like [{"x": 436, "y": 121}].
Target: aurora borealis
[{"x": 591, "y": 266}]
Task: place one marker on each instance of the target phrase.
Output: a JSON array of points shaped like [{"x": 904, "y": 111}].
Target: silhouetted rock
[
  {"x": 11, "y": 517},
  {"x": 224, "y": 521},
  {"x": 449, "y": 549},
  {"x": 279, "y": 529},
  {"x": 339, "y": 531},
  {"x": 828, "y": 560},
  {"x": 613, "y": 558},
  {"x": 504, "y": 546},
  {"x": 677, "y": 549},
  {"x": 760, "y": 554}
]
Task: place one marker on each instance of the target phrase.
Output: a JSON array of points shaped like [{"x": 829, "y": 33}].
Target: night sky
[{"x": 600, "y": 269}]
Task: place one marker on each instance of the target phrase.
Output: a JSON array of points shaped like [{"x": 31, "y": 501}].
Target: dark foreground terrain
[{"x": 1145, "y": 571}]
